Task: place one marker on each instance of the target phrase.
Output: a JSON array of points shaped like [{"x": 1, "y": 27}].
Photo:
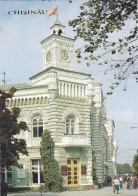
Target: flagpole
[{"x": 57, "y": 12}]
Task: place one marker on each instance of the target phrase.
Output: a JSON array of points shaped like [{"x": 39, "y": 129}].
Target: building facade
[{"x": 72, "y": 107}]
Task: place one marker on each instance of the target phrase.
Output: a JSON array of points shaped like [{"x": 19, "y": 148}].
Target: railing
[{"x": 71, "y": 90}]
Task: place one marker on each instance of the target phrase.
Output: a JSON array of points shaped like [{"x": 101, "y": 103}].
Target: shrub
[{"x": 51, "y": 171}]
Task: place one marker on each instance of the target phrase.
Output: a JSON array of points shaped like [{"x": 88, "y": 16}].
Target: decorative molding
[
  {"x": 29, "y": 100},
  {"x": 64, "y": 43},
  {"x": 75, "y": 140},
  {"x": 23, "y": 116},
  {"x": 33, "y": 149},
  {"x": 71, "y": 111},
  {"x": 36, "y": 112}
]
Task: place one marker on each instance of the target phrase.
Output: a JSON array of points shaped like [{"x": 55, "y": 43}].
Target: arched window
[
  {"x": 59, "y": 32},
  {"x": 70, "y": 125},
  {"x": 37, "y": 126}
]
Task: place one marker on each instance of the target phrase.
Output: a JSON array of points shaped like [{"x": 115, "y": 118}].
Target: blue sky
[{"x": 21, "y": 58}]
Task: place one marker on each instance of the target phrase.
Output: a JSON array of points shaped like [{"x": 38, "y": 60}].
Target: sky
[{"x": 21, "y": 58}]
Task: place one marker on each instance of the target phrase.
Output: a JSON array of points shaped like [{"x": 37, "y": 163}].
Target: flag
[{"x": 52, "y": 12}]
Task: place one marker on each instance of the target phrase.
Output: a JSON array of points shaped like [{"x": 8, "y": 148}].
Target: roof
[
  {"x": 57, "y": 23},
  {"x": 56, "y": 69},
  {"x": 56, "y": 36},
  {"x": 17, "y": 86}
]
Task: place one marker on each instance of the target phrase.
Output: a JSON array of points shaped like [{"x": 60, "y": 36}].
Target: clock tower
[{"x": 58, "y": 50}]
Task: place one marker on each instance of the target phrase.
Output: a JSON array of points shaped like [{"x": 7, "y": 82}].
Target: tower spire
[{"x": 58, "y": 28}]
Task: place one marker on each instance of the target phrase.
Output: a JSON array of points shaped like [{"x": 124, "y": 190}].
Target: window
[
  {"x": 59, "y": 32},
  {"x": 70, "y": 125},
  {"x": 37, "y": 126},
  {"x": 21, "y": 171},
  {"x": 7, "y": 175},
  {"x": 37, "y": 176}
]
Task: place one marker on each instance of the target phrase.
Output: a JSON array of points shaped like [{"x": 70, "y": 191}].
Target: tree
[
  {"x": 124, "y": 168},
  {"x": 135, "y": 164},
  {"x": 9, "y": 128},
  {"x": 95, "y": 179},
  {"x": 51, "y": 171},
  {"x": 97, "y": 21}
]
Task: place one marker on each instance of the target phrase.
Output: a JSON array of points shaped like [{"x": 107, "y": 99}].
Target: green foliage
[
  {"x": 10, "y": 127},
  {"x": 95, "y": 179},
  {"x": 124, "y": 168},
  {"x": 135, "y": 164},
  {"x": 98, "y": 20},
  {"x": 51, "y": 172}
]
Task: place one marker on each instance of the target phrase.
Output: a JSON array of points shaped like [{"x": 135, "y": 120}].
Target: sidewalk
[{"x": 106, "y": 191}]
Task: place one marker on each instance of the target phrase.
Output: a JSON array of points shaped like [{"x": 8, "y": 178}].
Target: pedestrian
[
  {"x": 4, "y": 188},
  {"x": 121, "y": 182},
  {"x": 130, "y": 182},
  {"x": 113, "y": 186},
  {"x": 106, "y": 181},
  {"x": 116, "y": 184},
  {"x": 135, "y": 182}
]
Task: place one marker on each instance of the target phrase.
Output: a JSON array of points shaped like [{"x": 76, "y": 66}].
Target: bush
[
  {"x": 51, "y": 171},
  {"x": 95, "y": 179}
]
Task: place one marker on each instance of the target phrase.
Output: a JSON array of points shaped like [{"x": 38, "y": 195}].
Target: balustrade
[
  {"x": 25, "y": 101},
  {"x": 71, "y": 90}
]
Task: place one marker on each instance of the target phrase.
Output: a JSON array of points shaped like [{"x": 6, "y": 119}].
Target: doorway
[{"x": 73, "y": 172}]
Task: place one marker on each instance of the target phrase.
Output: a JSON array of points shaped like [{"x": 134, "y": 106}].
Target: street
[{"x": 106, "y": 191}]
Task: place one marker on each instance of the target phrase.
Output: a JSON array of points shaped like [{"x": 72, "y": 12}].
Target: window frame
[
  {"x": 37, "y": 126},
  {"x": 5, "y": 175},
  {"x": 70, "y": 124},
  {"x": 35, "y": 168}
]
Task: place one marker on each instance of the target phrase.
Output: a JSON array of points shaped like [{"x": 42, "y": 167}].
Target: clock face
[
  {"x": 64, "y": 55},
  {"x": 49, "y": 56}
]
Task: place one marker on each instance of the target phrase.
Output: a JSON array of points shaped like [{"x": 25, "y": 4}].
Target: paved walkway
[{"x": 106, "y": 191}]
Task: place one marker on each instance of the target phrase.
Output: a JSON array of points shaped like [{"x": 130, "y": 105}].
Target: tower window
[
  {"x": 54, "y": 32},
  {"x": 37, "y": 126},
  {"x": 70, "y": 125},
  {"x": 60, "y": 32}
]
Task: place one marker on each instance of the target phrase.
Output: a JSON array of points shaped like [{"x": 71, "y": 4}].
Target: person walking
[
  {"x": 135, "y": 182},
  {"x": 113, "y": 185},
  {"x": 116, "y": 184},
  {"x": 4, "y": 188},
  {"x": 128, "y": 182},
  {"x": 121, "y": 182}
]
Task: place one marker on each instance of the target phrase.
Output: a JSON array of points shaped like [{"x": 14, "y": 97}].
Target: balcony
[{"x": 75, "y": 141}]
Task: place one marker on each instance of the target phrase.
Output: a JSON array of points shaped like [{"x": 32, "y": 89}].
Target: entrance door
[{"x": 73, "y": 173}]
